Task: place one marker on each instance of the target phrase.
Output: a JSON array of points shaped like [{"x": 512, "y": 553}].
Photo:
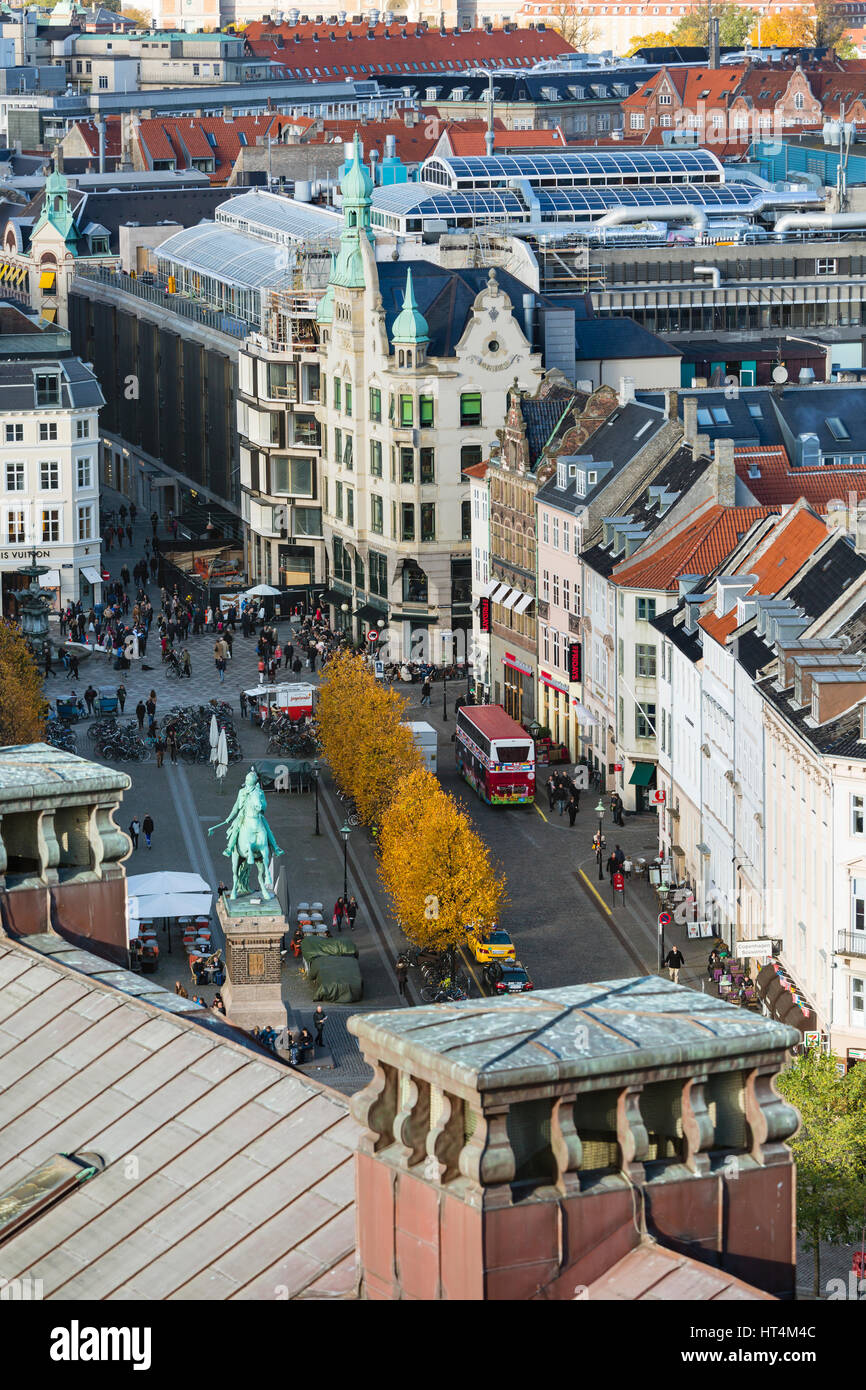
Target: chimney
[
  {"x": 713, "y": 43},
  {"x": 724, "y": 474},
  {"x": 626, "y": 389},
  {"x": 672, "y": 405},
  {"x": 507, "y": 1146},
  {"x": 690, "y": 419},
  {"x": 100, "y": 129},
  {"x": 692, "y": 611}
]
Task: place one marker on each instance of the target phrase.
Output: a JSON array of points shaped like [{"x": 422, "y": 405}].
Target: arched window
[{"x": 409, "y": 359}]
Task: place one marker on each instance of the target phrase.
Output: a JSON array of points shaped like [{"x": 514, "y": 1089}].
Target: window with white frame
[
  {"x": 15, "y": 526},
  {"x": 14, "y": 434},
  {"x": 555, "y": 647},
  {"x": 85, "y": 522},
  {"x": 644, "y": 659},
  {"x": 556, "y": 533},
  {"x": 858, "y": 993},
  {"x": 84, "y": 470},
  {"x": 15, "y": 477},
  {"x": 645, "y": 721},
  {"x": 49, "y": 475},
  {"x": 858, "y": 815},
  {"x": 82, "y": 429},
  {"x": 566, "y": 539},
  {"x": 47, "y": 430},
  {"x": 545, "y": 643},
  {"x": 636, "y": 120},
  {"x": 566, "y": 594},
  {"x": 858, "y": 904},
  {"x": 545, "y": 527},
  {"x": 545, "y": 585},
  {"x": 556, "y": 589},
  {"x": 50, "y": 525}
]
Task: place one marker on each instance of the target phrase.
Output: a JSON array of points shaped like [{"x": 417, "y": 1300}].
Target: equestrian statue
[{"x": 249, "y": 840}]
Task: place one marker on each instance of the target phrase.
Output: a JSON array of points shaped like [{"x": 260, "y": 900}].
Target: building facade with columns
[{"x": 416, "y": 362}]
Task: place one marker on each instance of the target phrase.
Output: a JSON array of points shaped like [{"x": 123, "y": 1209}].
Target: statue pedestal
[{"x": 254, "y": 930}]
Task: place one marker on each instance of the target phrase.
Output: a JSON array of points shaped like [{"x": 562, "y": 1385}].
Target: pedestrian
[
  {"x": 49, "y": 669},
  {"x": 352, "y": 911},
  {"x": 154, "y": 521},
  {"x": 243, "y": 704},
  {"x": 551, "y": 792},
  {"x": 147, "y": 827},
  {"x": 221, "y": 668},
  {"x": 121, "y": 696},
  {"x": 140, "y": 712},
  {"x": 617, "y": 883},
  {"x": 133, "y": 510},
  {"x": 675, "y": 960},
  {"x": 319, "y": 1018},
  {"x": 171, "y": 741},
  {"x": 402, "y": 976},
  {"x": 572, "y": 809},
  {"x": 339, "y": 914},
  {"x": 612, "y": 864},
  {"x": 561, "y": 794},
  {"x": 296, "y": 666},
  {"x": 288, "y": 653},
  {"x": 129, "y": 535},
  {"x": 134, "y": 831},
  {"x": 89, "y": 696},
  {"x": 186, "y": 664},
  {"x": 160, "y": 749},
  {"x": 619, "y": 856},
  {"x": 154, "y": 566},
  {"x": 425, "y": 691}
]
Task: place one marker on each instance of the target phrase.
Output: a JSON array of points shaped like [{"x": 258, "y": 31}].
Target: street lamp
[
  {"x": 345, "y": 831},
  {"x": 599, "y": 811},
  {"x": 445, "y": 699},
  {"x": 315, "y": 776},
  {"x": 380, "y": 623}
]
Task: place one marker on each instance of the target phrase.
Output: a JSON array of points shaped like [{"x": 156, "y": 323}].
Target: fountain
[{"x": 33, "y": 608}]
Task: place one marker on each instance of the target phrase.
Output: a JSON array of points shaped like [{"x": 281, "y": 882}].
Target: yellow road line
[
  {"x": 468, "y": 964},
  {"x": 541, "y": 813},
  {"x": 595, "y": 892}
]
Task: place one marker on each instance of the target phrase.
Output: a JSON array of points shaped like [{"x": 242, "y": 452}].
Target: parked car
[
  {"x": 495, "y": 944},
  {"x": 507, "y": 977}
]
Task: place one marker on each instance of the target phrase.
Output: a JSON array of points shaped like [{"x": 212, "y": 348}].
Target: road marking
[
  {"x": 595, "y": 892},
  {"x": 541, "y": 813}
]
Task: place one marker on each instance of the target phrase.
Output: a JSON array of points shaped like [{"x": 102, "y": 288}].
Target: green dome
[
  {"x": 410, "y": 325},
  {"x": 357, "y": 186}
]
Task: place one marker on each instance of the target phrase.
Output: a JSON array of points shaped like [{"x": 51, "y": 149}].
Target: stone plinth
[
  {"x": 516, "y": 1148},
  {"x": 252, "y": 992}
]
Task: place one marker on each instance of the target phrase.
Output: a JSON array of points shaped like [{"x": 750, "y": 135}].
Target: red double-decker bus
[{"x": 495, "y": 755}]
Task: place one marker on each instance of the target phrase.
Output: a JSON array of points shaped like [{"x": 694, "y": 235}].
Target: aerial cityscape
[{"x": 433, "y": 662}]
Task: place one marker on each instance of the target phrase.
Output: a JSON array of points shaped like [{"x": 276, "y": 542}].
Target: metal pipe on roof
[
  {"x": 648, "y": 213},
  {"x": 712, "y": 270},
  {"x": 815, "y": 221}
]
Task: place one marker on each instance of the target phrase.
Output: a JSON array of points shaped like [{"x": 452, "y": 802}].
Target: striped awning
[
  {"x": 512, "y": 598},
  {"x": 500, "y": 592},
  {"x": 523, "y": 603}
]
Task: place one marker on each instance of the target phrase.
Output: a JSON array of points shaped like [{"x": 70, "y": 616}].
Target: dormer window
[{"x": 561, "y": 476}]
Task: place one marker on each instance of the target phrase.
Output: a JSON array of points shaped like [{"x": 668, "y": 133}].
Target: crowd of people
[{"x": 299, "y": 1045}]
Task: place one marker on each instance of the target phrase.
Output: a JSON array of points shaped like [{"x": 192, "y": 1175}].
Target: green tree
[
  {"x": 22, "y": 705},
  {"x": 830, "y": 1150},
  {"x": 735, "y": 25}
]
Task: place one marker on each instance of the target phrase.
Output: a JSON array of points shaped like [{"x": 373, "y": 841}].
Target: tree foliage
[
  {"x": 22, "y": 705},
  {"x": 436, "y": 870},
  {"x": 368, "y": 747},
  {"x": 830, "y": 1149},
  {"x": 735, "y": 22},
  {"x": 784, "y": 29},
  {"x": 658, "y": 39}
]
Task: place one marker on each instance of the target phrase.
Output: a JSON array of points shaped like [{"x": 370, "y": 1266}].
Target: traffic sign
[
  {"x": 372, "y": 636},
  {"x": 665, "y": 919}
]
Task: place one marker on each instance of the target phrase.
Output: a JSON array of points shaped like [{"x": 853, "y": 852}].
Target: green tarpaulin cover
[{"x": 339, "y": 980}]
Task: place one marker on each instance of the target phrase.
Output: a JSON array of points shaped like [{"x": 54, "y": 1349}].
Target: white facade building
[{"x": 49, "y": 469}]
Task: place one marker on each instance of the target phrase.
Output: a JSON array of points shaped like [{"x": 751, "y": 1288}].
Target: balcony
[{"x": 851, "y": 943}]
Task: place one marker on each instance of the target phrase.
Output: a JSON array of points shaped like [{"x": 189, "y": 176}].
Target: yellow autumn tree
[
  {"x": 784, "y": 29},
  {"x": 658, "y": 39},
  {"x": 22, "y": 705},
  {"x": 363, "y": 737},
  {"x": 436, "y": 870}
]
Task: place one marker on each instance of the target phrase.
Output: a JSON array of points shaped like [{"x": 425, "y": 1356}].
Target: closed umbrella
[
  {"x": 214, "y": 738},
  {"x": 222, "y": 760}
]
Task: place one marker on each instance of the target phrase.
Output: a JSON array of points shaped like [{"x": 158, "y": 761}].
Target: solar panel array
[{"x": 557, "y": 204}]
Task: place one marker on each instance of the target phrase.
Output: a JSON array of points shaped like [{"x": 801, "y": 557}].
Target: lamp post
[
  {"x": 599, "y": 811},
  {"x": 344, "y": 608},
  {"x": 444, "y": 699},
  {"x": 345, "y": 831},
  {"x": 315, "y": 776},
  {"x": 380, "y": 623}
]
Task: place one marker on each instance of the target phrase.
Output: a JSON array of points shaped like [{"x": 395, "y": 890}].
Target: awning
[
  {"x": 47, "y": 280},
  {"x": 419, "y": 619},
  {"x": 49, "y": 315},
  {"x": 335, "y": 597},
  {"x": 643, "y": 774},
  {"x": 368, "y": 614},
  {"x": 512, "y": 598},
  {"x": 91, "y": 575},
  {"x": 500, "y": 592},
  {"x": 584, "y": 715},
  {"x": 523, "y": 603},
  {"x": 51, "y": 580},
  {"x": 487, "y": 589}
]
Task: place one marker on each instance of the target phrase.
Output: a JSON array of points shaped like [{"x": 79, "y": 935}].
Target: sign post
[{"x": 665, "y": 920}]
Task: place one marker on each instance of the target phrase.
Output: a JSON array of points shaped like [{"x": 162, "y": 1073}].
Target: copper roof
[
  {"x": 658, "y": 1275},
  {"x": 245, "y": 1178}
]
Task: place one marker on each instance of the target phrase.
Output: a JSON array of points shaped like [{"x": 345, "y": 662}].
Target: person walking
[
  {"x": 160, "y": 749},
  {"x": 72, "y": 673},
  {"x": 49, "y": 669},
  {"x": 561, "y": 794},
  {"x": 220, "y": 664},
  {"x": 171, "y": 741},
  {"x": 89, "y": 696},
  {"x": 121, "y": 696},
  {"x": 140, "y": 712},
  {"x": 186, "y": 664},
  {"x": 134, "y": 831},
  {"x": 147, "y": 828},
  {"x": 402, "y": 971},
  {"x": 319, "y": 1019},
  {"x": 612, "y": 864},
  {"x": 352, "y": 911},
  {"x": 425, "y": 691},
  {"x": 154, "y": 521},
  {"x": 675, "y": 960},
  {"x": 339, "y": 914},
  {"x": 551, "y": 792},
  {"x": 572, "y": 809}
]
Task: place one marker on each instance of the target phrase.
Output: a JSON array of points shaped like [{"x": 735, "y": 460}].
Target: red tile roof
[
  {"x": 696, "y": 547},
  {"x": 692, "y": 85},
  {"x": 471, "y": 142},
  {"x": 184, "y": 138},
  {"x": 774, "y": 562},
  {"x": 90, "y": 135},
  {"x": 331, "y": 48},
  {"x": 781, "y": 485},
  {"x": 413, "y": 143}
]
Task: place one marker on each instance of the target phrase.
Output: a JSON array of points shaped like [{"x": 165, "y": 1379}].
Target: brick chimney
[
  {"x": 520, "y": 1147},
  {"x": 724, "y": 473},
  {"x": 690, "y": 419}
]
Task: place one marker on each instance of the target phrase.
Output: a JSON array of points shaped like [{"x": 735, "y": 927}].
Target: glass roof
[
  {"x": 553, "y": 201},
  {"x": 273, "y": 213},
  {"x": 229, "y": 257},
  {"x": 569, "y": 164}
]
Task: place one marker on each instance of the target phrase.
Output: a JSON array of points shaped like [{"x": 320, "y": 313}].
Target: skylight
[
  {"x": 837, "y": 428},
  {"x": 755, "y": 411}
]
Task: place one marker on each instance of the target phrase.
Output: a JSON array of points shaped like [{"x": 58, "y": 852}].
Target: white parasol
[
  {"x": 214, "y": 738},
  {"x": 263, "y": 591},
  {"x": 222, "y": 759}
]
